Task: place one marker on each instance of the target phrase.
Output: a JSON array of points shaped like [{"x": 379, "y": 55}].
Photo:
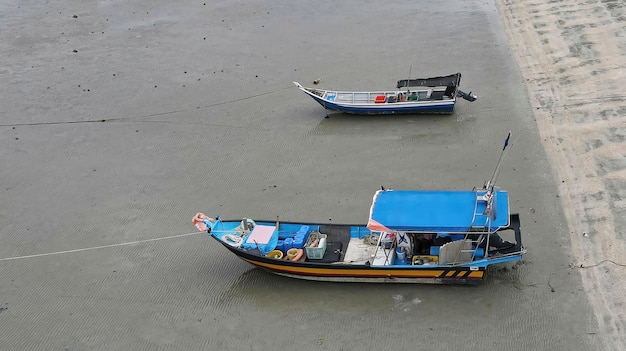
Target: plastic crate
[
  {"x": 424, "y": 259},
  {"x": 315, "y": 253}
]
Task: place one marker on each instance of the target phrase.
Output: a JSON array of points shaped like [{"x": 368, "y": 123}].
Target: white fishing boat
[{"x": 435, "y": 95}]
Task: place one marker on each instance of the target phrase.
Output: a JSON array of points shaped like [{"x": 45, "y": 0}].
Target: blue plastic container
[
  {"x": 298, "y": 241},
  {"x": 285, "y": 234},
  {"x": 288, "y": 244}
]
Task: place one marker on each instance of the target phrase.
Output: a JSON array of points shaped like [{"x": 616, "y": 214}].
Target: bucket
[
  {"x": 276, "y": 254},
  {"x": 400, "y": 254}
]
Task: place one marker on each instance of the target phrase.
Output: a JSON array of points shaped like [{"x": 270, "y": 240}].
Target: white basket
[{"x": 315, "y": 253}]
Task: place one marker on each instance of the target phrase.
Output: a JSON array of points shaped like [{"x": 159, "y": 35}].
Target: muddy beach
[{"x": 120, "y": 121}]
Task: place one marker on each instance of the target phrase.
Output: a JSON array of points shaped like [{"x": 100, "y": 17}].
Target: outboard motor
[{"x": 467, "y": 96}]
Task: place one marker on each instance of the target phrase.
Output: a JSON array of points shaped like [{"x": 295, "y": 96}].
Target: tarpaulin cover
[
  {"x": 451, "y": 80},
  {"x": 263, "y": 237}
]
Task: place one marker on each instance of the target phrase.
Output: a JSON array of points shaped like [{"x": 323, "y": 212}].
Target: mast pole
[
  {"x": 408, "y": 81},
  {"x": 494, "y": 177}
]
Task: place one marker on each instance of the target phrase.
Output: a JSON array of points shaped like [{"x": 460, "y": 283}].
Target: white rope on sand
[{"x": 99, "y": 247}]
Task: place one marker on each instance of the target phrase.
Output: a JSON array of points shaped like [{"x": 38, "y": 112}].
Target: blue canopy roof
[{"x": 436, "y": 211}]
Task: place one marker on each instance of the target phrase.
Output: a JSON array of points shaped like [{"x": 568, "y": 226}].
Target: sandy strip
[{"x": 572, "y": 56}]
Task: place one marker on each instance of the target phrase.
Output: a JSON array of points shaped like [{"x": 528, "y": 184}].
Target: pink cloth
[{"x": 261, "y": 234}]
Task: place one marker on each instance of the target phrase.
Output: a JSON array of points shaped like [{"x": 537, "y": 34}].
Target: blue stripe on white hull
[{"x": 443, "y": 107}]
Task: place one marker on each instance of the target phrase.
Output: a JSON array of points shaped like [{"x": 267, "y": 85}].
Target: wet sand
[{"x": 120, "y": 121}]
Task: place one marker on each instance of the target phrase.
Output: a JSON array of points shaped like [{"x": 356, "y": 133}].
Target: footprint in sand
[{"x": 404, "y": 303}]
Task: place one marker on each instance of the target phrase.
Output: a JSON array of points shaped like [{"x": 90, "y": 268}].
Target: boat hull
[
  {"x": 444, "y": 107},
  {"x": 363, "y": 273}
]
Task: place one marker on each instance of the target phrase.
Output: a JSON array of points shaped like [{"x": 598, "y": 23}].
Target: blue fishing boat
[
  {"x": 436, "y": 95},
  {"x": 412, "y": 236}
]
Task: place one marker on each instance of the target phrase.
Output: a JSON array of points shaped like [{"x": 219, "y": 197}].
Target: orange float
[
  {"x": 277, "y": 254},
  {"x": 294, "y": 254},
  {"x": 198, "y": 221}
]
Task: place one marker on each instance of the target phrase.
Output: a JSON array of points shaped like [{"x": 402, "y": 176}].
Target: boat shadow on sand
[
  {"x": 277, "y": 294},
  {"x": 348, "y": 124}
]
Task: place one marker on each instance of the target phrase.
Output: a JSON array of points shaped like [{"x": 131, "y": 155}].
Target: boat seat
[
  {"x": 437, "y": 95},
  {"x": 434, "y": 251},
  {"x": 455, "y": 252}
]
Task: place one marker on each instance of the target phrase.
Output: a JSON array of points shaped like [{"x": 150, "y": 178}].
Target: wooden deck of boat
[{"x": 358, "y": 251}]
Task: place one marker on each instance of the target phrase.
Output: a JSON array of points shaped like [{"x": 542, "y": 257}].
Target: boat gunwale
[
  {"x": 386, "y": 105},
  {"x": 339, "y": 265}
]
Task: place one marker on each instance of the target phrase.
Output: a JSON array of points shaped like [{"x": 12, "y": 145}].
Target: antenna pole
[
  {"x": 408, "y": 81},
  {"x": 330, "y": 226},
  {"x": 494, "y": 177}
]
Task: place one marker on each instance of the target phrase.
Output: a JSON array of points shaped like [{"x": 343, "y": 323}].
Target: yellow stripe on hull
[{"x": 335, "y": 271}]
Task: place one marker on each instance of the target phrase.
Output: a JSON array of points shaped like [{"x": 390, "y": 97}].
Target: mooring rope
[
  {"x": 156, "y": 114},
  {"x": 99, "y": 247}
]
